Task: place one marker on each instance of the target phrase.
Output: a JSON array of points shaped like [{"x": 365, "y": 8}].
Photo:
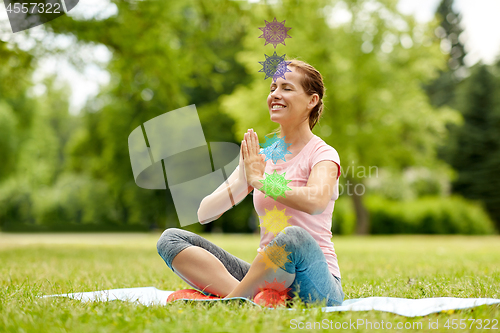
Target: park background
[
  {"x": 416, "y": 123},
  {"x": 417, "y": 130}
]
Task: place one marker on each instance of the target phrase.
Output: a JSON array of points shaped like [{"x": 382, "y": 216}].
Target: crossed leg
[
  {"x": 200, "y": 263},
  {"x": 258, "y": 276},
  {"x": 192, "y": 265},
  {"x": 209, "y": 268}
]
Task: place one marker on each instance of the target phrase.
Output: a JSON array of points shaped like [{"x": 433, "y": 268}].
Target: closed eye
[{"x": 287, "y": 89}]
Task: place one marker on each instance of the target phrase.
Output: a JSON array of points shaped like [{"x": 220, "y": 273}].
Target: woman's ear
[{"x": 313, "y": 101}]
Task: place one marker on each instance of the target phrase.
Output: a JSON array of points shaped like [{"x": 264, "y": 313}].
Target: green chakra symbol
[{"x": 275, "y": 185}]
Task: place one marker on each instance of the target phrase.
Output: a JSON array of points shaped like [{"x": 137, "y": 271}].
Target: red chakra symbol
[
  {"x": 275, "y": 32},
  {"x": 275, "y": 285},
  {"x": 273, "y": 294}
]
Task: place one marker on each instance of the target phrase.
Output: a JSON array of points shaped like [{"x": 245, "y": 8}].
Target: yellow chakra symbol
[
  {"x": 275, "y": 256},
  {"x": 274, "y": 221}
]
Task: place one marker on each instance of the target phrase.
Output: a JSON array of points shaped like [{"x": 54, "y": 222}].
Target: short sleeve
[{"x": 326, "y": 153}]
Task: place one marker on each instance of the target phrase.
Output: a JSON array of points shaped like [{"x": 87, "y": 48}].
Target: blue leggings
[{"x": 313, "y": 281}]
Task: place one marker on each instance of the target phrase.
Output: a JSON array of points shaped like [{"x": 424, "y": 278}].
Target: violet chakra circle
[
  {"x": 274, "y": 66},
  {"x": 275, "y": 32},
  {"x": 281, "y": 70}
]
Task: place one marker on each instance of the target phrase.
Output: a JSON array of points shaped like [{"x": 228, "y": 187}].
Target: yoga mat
[{"x": 402, "y": 306}]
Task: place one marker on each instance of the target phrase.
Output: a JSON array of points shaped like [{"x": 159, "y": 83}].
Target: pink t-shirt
[{"x": 298, "y": 169}]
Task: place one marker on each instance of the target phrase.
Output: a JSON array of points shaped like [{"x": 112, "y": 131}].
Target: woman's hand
[
  {"x": 254, "y": 162},
  {"x": 241, "y": 174}
]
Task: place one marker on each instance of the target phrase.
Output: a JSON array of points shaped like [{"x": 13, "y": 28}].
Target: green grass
[{"x": 397, "y": 266}]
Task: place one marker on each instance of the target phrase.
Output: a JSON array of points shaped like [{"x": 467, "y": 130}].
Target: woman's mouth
[{"x": 277, "y": 107}]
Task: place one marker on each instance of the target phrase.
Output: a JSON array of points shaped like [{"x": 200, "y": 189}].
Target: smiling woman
[
  {"x": 303, "y": 78},
  {"x": 294, "y": 199}
]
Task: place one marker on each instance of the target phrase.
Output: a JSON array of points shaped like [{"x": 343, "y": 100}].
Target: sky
[{"x": 479, "y": 20}]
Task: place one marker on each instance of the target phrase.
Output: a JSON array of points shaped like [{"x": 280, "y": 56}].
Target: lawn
[{"x": 397, "y": 266}]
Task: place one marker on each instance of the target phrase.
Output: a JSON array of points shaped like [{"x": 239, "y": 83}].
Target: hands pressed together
[{"x": 252, "y": 164}]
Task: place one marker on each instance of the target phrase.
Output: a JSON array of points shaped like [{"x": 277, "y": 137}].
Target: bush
[
  {"x": 73, "y": 202},
  {"x": 74, "y": 199},
  {"x": 429, "y": 215}
]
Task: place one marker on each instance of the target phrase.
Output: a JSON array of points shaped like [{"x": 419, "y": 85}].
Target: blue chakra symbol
[
  {"x": 281, "y": 70},
  {"x": 275, "y": 149},
  {"x": 275, "y": 32},
  {"x": 273, "y": 66},
  {"x": 269, "y": 141}
]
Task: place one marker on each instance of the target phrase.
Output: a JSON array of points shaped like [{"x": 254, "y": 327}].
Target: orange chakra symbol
[
  {"x": 274, "y": 221},
  {"x": 275, "y": 256}
]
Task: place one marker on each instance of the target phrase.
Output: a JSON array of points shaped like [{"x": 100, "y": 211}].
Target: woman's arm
[
  {"x": 315, "y": 196},
  {"x": 214, "y": 205},
  {"x": 312, "y": 198}
]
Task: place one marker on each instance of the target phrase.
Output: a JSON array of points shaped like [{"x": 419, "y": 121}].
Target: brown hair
[{"x": 312, "y": 83}]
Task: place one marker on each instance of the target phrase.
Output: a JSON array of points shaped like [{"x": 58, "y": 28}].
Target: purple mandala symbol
[
  {"x": 281, "y": 70},
  {"x": 275, "y": 32},
  {"x": 274, "y": 66}
]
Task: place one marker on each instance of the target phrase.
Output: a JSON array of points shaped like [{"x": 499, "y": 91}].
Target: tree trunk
[{"x": 362, "y": 217}]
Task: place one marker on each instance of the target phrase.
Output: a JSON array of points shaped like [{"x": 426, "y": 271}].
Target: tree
[
  {"x": 442, "y": 90},
  {"x": 16, "y": 116},
  {"x": 166, "y": 55},
  {"x": 474, "y": 147},
  {"x": 16, "y": 105}
]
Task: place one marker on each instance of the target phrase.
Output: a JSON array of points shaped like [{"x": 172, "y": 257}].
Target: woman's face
[{"x": 288, "y": 103}]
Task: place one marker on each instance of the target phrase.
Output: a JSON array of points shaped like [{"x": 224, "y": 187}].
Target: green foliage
[
  {"x": 15, "y": 202},
  {"x": 442, "y": 91},
  {"x": 430, "y": 215},
  {"x": 8, "y": 139},
  {"x": 425, "y": 215},
  {"x": 31, "y": 195},
  {"x": 451, "y": 30},
  {"x": 410, "y": 183},
  {"x": 474, "y": 147},
  {"x": 78, "y": 199},
  {"x": 344, "y": 217},
  {"x": 75, "y": 170},
  {"x": 165, "y": 56},
  {"x": 16, "y": 106}
]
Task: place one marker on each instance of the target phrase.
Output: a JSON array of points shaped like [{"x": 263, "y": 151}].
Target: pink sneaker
[
  {"x": 188, "y": 294},
  {"x": 271, "y": 298}
]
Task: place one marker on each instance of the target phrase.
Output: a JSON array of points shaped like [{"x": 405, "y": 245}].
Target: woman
[{"x": 299, "y": 259}]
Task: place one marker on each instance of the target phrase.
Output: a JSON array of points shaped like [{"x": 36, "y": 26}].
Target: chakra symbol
[
  {"x": 275, "y": 185},
  {"x": 281, "y": 70},
  {"x": 275, "y": 256},
  {"x": 275, "y": 149},
  {"x": 275, "y": 32},
  {"x": 269, "y": 141},
  {"x": 275, "y": 285},
  {"x": 274, "y": 221},
  {"x": 272, "y": 66},
  {"x": 273, "y": 294}
]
